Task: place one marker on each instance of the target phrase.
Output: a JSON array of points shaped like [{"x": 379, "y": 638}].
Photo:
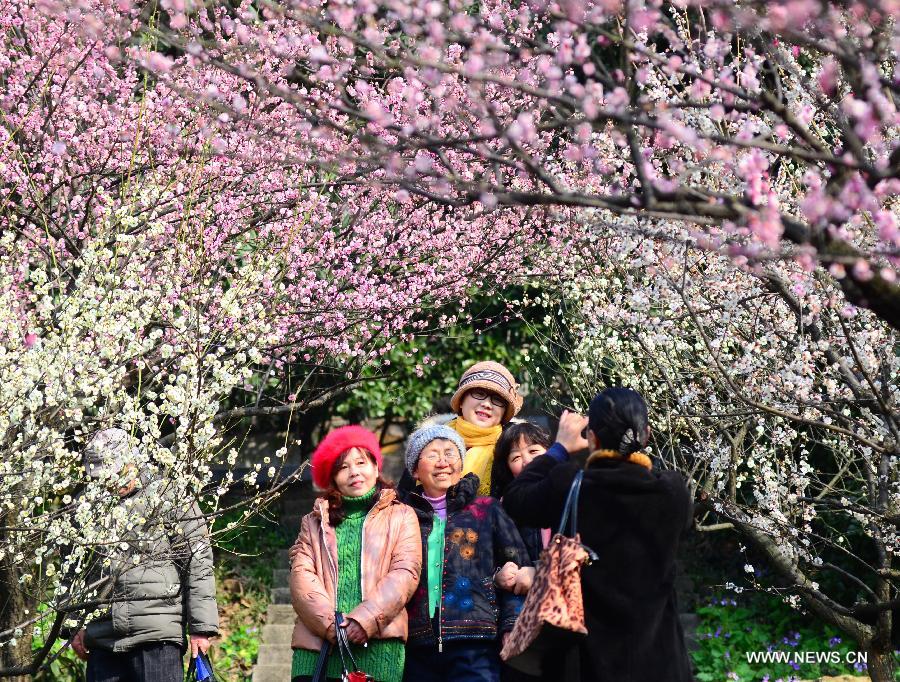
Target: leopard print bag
[{"x": 552, "y": 617}]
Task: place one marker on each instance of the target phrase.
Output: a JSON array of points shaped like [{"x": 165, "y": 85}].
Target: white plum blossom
[{"x": 781, "y": 410}]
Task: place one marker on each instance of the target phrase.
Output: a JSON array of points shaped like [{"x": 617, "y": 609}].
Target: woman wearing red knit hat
[{"x": 358, "y": 553}]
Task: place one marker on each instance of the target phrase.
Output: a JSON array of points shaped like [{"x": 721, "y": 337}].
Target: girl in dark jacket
[
  {"x": 632, "y": 516},
  {"x": 520, "y": 443}
]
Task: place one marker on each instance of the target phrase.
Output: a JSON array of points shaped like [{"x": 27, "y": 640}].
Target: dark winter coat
[
  {"x": 479, "y": 538},
  {"x": 534, "y": 542},
  {"x": 633, "y": 519}
]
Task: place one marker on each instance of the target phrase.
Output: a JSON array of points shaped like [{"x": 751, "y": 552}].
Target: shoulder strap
[
  {"x": 322, "y": 662},
  {"x": 570, "y": 509}
]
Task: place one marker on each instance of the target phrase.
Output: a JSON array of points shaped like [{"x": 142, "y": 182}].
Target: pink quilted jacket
[{"x": 391, "y": 564}]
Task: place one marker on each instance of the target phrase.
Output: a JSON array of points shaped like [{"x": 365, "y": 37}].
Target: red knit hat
[{"x": 335, "y": 444}]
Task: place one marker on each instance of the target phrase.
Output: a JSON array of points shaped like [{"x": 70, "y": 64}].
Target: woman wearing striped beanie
[{"x": 486, "y": 398}]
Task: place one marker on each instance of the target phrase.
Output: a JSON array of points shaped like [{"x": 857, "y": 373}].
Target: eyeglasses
[
  {"x": 481, "y": 394},
  {"x": 449, "y": 457}
]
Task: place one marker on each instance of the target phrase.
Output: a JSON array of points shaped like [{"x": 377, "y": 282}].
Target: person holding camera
[{"x": 632, "y": 515}]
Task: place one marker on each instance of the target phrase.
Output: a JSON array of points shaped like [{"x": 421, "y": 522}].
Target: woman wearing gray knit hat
[
  {"x": 419, "y": 439},
  {"x": 456, "y": 615},
  {"x": 486, "y": 398}
]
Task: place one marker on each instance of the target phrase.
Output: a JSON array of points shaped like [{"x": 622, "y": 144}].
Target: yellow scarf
[
  {"x": 636, "y": 457},
  {"x": 480, "y": 444}
]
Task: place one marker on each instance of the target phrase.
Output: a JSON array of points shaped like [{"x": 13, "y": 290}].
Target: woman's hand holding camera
[{"x": 571, "y": 431}]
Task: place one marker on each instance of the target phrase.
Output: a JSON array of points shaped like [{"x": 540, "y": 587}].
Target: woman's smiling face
[
  {"x": 521, "y": 454},
  {"x": 439, "y": 467},
  {"x": 356, "y": 473},
  {"x": 478, "y": 407}
]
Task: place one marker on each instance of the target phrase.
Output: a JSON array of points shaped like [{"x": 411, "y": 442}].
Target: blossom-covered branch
[{"x": 772, "y": 122}]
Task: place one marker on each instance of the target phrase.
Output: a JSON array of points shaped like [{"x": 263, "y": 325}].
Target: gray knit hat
[
  {"x": 420, "y": 438},
  {"x": 108, "y": 452}
]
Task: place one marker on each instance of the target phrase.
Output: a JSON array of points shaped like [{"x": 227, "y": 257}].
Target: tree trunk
[
  {"x": 880, "y": 665},
  {"x": 14, "y": 610}
]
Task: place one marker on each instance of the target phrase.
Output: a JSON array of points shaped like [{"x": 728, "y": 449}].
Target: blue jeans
[
  {"x": 472, "y": 660},
  {"x": 161, "y": 662}
]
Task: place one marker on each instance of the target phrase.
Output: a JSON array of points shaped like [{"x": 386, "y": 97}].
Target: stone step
[
  {"x": 271, "y": 673},
  {"x": 280, "y": 614},
  {"x": 274, "y": 654},
  {"x": 279, "y": 634},
  {"x": 280, "y": 595},
  {"x": 273, "y": 663}
]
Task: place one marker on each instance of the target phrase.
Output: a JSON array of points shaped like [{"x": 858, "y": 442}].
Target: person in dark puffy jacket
[
  {"x": 632, "y": 515},
  {"x": 457, "y": 615},
  {"x": 159, "y": 588}
]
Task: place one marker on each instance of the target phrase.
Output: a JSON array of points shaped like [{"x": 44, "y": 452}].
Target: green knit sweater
[{"x": 382, "y": 658}]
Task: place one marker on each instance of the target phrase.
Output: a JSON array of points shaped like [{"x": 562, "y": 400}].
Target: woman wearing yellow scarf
[{"x": 485, "y": 399}]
